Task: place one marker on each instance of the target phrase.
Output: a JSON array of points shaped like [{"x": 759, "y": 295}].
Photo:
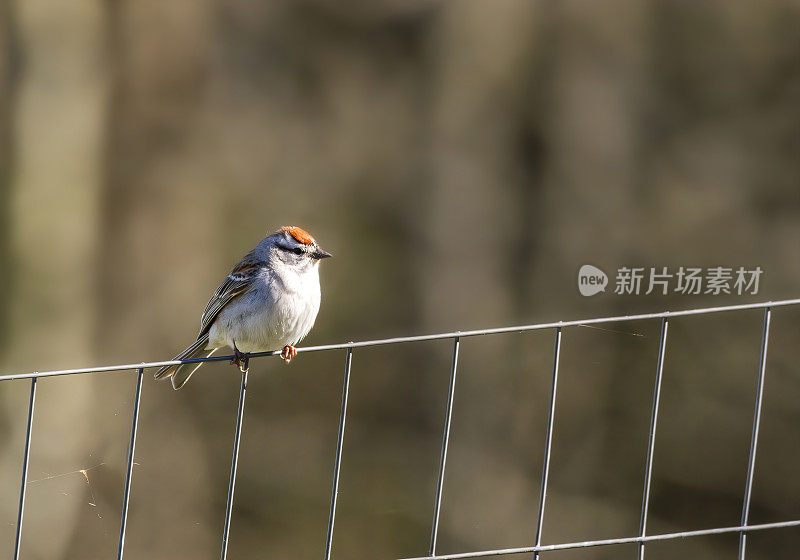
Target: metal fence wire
[{"x": 432, "y": 554}]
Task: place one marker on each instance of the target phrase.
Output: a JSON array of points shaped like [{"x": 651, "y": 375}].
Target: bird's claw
[
  {"x": 288, "y": 353},
  {"x": 240, "y": 359}
]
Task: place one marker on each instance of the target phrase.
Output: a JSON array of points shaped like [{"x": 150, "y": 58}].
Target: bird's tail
[{"x": 179, "y": 374}]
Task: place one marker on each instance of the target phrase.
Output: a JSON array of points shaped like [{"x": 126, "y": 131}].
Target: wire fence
[{"x": 641, "y": 539}]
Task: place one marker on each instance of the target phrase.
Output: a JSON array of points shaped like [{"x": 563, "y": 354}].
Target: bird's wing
[{"x": 239, "y": 281}]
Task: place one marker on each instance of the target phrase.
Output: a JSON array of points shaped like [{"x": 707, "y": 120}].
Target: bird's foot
[
  {"x": 288, "y": 353},
  {"x": 240, "y": 359}
]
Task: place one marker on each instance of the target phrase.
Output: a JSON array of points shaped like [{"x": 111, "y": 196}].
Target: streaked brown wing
[{"x": 235, "y": 284}]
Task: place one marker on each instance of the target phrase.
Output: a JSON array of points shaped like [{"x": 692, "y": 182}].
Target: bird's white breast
[{"x": 280, "y": 309}]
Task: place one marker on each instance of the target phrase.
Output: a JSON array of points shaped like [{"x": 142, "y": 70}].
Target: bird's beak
[{"x": 320, "y": 254}]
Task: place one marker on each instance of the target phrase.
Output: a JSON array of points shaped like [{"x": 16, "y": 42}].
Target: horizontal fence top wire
[{"x": 418, "y": 338}]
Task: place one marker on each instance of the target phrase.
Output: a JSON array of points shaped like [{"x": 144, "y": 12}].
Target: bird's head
[{"x": 295, "y": 247}]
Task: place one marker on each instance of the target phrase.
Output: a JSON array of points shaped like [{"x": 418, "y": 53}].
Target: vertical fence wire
[
  {"x": 548, "y": 442},
  {"x": 129, "y": 473},
  {"x": 751, "y": 463},
  {"x": 25, "y": 462},
  {"x": 651, "y": 438},
  {"x": 437, "y": 507},
  {"x": 337, "y": 463},
  {"x": 234, "y": 464}
]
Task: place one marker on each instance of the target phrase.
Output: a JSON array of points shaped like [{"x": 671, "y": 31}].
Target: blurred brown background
[{"x": 461, "y": 160}]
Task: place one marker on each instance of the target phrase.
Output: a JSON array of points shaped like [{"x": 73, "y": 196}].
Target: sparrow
[{"x": 269, "y": 301}]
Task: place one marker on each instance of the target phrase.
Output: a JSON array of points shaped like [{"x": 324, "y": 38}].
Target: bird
[{"x": 269, "y": 301}]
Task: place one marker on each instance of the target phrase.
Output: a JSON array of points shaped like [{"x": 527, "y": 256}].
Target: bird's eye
[{"x": 297, "y": 251}]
